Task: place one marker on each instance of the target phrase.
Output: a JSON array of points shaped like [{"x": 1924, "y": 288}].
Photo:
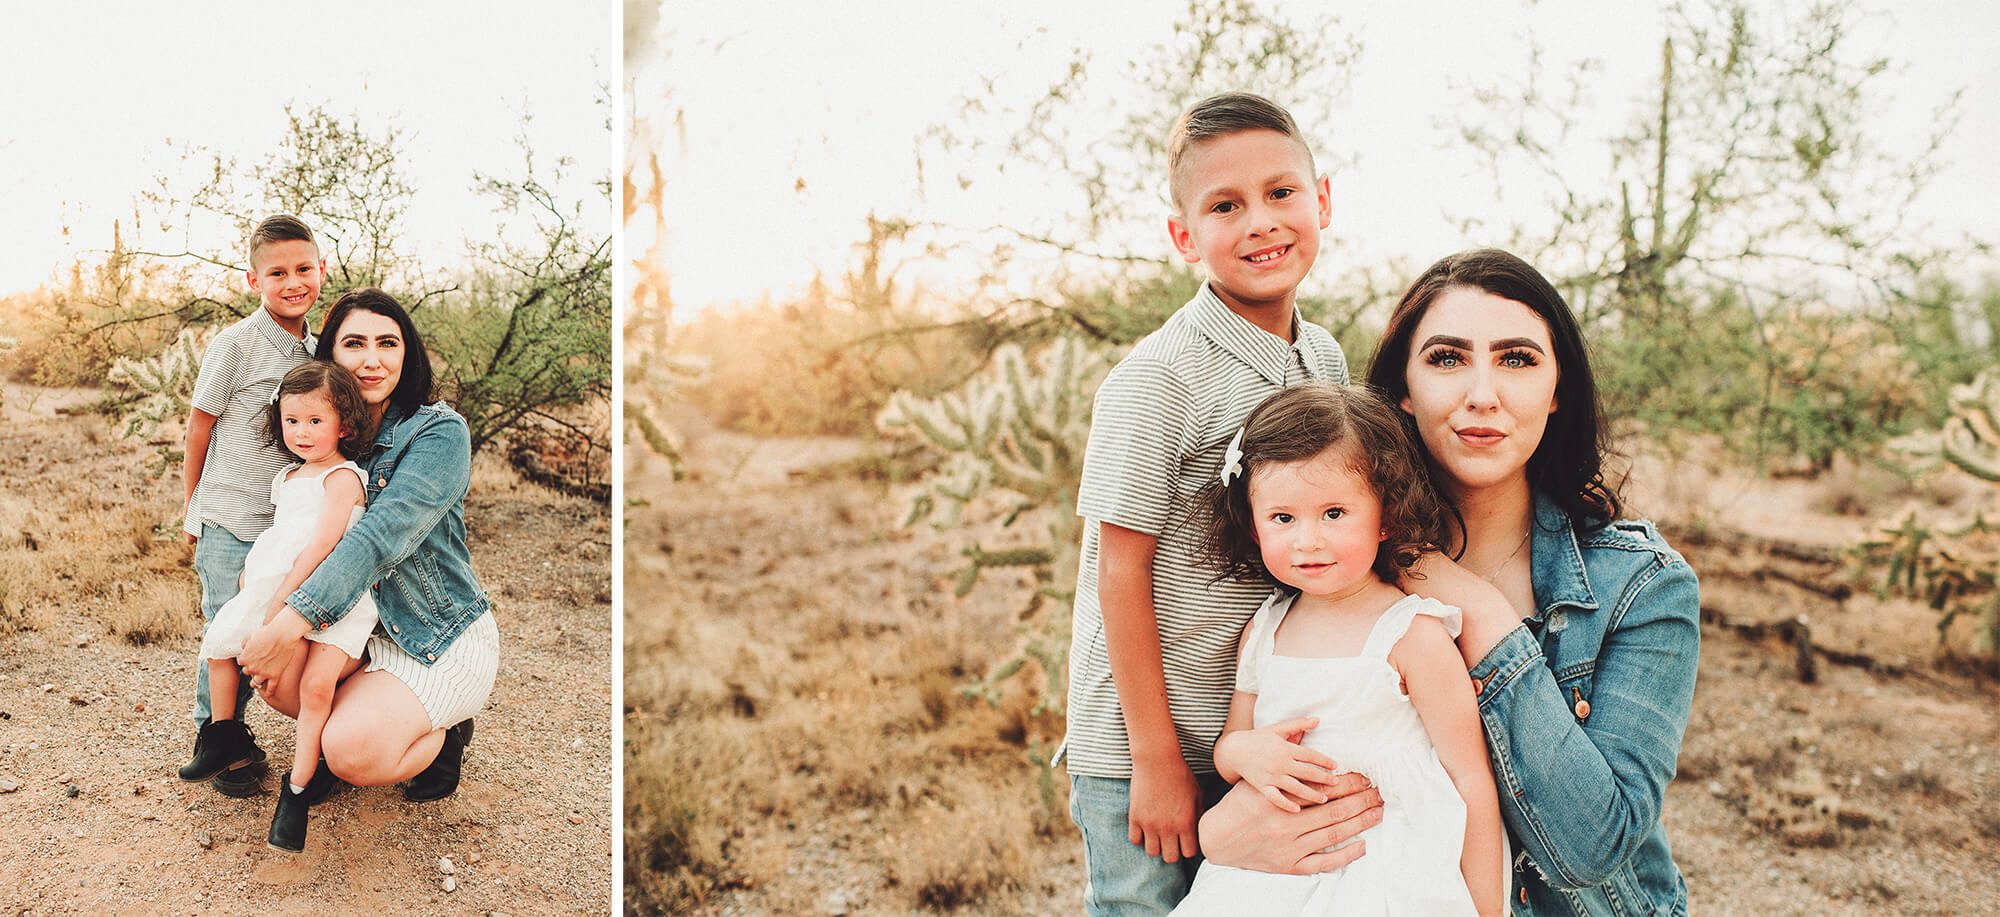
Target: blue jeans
[
  {"x": 218, "y": 562},
  {"x": 1122, "y": 881}
]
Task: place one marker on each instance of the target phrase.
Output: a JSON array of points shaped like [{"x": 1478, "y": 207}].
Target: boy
[
  {"x": 230, "y": 460},
  {"x": 1153, "y": 656}
]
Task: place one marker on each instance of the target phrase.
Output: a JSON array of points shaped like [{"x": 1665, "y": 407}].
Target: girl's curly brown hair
[
  {"x": 1299, "y": 423},
  {"x": 357, "y": 426}
]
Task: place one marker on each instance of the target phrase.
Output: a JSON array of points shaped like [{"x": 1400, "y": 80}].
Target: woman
[
  {"x": 407, "y": 714},
  {"x": 1580, "y": 629}
]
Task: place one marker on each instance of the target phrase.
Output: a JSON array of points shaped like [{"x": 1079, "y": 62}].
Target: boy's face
[
  {"x": 1251, "y": 210},
  {"x": 287, "y": 275}
]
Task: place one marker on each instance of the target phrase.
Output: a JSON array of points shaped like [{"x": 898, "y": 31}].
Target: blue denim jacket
[
  {"x": 409, "y": 547},
  {"x": 1584, "y": 707}
]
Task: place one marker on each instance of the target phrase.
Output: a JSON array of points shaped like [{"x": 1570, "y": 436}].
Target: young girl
[
  {"x": 1324, "y": 497},
  {"x": 318, "y": 414}
]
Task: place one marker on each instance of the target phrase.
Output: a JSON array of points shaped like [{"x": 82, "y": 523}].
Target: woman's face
[
  {"x": 371, "y": 347},
  {"x": 1482, "y": 382}
]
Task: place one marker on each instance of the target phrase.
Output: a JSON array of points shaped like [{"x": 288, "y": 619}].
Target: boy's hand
[
  {"x": 1166, "y": 800},
  {"x": 1282, "y": 771}
]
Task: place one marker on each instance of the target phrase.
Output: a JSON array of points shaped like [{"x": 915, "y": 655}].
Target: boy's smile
[
  {"x": 287, "y": 275},
  {"x": 1251, "y": 212}
]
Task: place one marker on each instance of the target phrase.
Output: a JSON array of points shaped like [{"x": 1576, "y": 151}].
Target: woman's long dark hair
[
  {"x": 1567, "y": 464},
  {"x": 415, "y": 387}
]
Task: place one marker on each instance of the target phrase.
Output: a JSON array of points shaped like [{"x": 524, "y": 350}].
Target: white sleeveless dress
[
  {"x": 299, "y": 502},
  {"x": 1366, "y": 724}
]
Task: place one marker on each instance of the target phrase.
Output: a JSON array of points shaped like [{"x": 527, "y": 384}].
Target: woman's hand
[
  {"x": 1246, "y": 831},
  {"x": 268, "y": 653},
  {"x": 1272, "y": 760}
]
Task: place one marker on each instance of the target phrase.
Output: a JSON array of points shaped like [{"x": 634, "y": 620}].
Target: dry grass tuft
[
  {"x": 948, "y": 854},
  {"x": 157, "y": 610}
]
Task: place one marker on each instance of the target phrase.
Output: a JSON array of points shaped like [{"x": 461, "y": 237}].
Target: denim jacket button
[
  {"x": 1478, "y": 685},
  {"x": 381, "y": 482},
  {"x": 394, "y": 629},
  {"x": 1582, "y": 709},
  {"x": 431, "y": 656}
]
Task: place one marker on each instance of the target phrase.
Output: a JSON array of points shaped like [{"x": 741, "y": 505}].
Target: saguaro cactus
[
  {"x": 1013, "y": 440},
  {"x": 1952, "y": 565}
]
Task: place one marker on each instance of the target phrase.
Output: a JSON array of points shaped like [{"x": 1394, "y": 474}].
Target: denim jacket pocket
[
  {"x": 1625, "y": 895},
  {"x": 378, "y": 478},
  {"x": 417, "y": 580},
  {"x": 1575, "y": 687}
]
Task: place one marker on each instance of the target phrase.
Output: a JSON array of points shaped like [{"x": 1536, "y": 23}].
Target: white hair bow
[{"x": 1232, "y": 458}]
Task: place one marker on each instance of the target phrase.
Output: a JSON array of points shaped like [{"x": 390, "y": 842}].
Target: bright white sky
[
  {"x": 773, "y": 94},
  {"x": 96, "y": 90}
]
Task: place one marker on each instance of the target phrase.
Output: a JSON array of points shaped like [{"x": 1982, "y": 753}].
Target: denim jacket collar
[
  {"x": 385, "y": 432},
  {"x": 1557, "y": 562}
]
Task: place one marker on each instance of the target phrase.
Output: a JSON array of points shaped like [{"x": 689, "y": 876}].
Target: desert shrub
[
  {"x": 511, "y": 354},
  {"x": 1790, "y": 389},
  {"x": 818, "y": 365}
]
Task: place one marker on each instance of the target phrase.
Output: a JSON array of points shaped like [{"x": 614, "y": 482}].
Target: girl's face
[
  {"x": 371, "y": 347},
  {"x": 312, "y": 427},
  {"x": 1482, "y": 382},
  {"x": 1318, "y": 524}
]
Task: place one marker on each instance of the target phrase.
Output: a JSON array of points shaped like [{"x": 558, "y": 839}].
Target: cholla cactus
[
  {"x": 1951, "y": 565},
  {"x": 164, "y": 381},
  {"x": 1013, "y": 440}
]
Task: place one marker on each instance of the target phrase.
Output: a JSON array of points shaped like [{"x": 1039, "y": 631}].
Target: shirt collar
[
  {"x": 277, "y": 335},
  {"x": 1557, "y": 561},
  {"x": 1261, "y": 350}
]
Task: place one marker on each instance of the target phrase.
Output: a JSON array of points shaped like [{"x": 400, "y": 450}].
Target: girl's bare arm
[{"x": 1442, "y": 693}]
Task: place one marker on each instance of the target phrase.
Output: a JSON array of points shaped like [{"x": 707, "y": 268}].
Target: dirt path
[
  {"x": 784, "y": 622},
  {"x": 94, "y": 700}
]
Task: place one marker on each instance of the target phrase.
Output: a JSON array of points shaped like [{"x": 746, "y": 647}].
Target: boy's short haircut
[
  {"x": 1222, "y": 115},
  {"x": 279, "y": 228}
]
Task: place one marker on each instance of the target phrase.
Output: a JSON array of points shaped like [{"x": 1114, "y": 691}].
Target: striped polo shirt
[
  {"x": 1162, "y": 420},
  {"x": 238, "y": 374}
]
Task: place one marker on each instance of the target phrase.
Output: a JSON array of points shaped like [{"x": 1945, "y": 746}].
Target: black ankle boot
[
  {"x": 441, "y": 778},
  {"x": 221, "y": 746},
  {"x": 288, "y": 823}
]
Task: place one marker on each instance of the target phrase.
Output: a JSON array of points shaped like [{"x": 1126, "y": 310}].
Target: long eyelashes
[{"x": 1518, "y": 358}]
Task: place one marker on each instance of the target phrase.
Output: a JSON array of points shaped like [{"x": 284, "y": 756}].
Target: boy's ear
[
  {"x": 250, "y": 275},
  {"x": 1324, "y": 188},
  {"x": 1183, "y": 239}
]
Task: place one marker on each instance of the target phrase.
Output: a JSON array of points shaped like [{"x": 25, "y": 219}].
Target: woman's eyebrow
[
  {"x": 1511, "y": 343},
  {"x": 1446, "y": 340}
]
